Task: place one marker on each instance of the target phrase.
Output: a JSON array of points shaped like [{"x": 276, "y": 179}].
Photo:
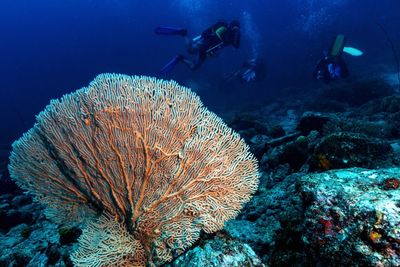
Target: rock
[
  {"x": 7, "y": 186},
  {"x": 257, "y": 144},
  {"x": 290, "y": 121},
  {"x": 67, "y": 260},
  {"x": 276, "y": 131},
  {"x": 4, "y": 207},
  {"x": 270, "y": 158},
  {"x": 381, "y": 128},
  {"x": 69, "y": 235},
  {"x": 274, "y": 211},
  {"x": 248, "y": 126},
  {"x": 21, "y": 200},
  {"x": 358, "y": 93},
  {"x": 53, "y": 254},
  {"x": 12, "y": 238},
  {"x": 313, "y": 121},
  {"x": 6, "y": 197},
  {"x": 295, "y": 153},
  {"x": 292, "y": 149},
  {"x": 219, "y": 252},
  {"x": 14, "y": 217},
  {"x": 39, "y": 248},
  {"x": 18, "y": 260},
  {"x": 39, "y": 259},
  {"x": 389, "y": 104},
  {"x": 248, "y": 232},
  {"x": 391, "y": 183},
  {"x": 343, "y": 150},
  {"x": 351, "y": 217},
  {"x": 26, "y": 231}
]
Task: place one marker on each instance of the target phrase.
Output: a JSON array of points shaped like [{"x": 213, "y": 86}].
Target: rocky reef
[{"x": 329, "y": 193}]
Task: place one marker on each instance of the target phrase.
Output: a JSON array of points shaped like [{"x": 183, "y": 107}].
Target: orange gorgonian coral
[{"x": 141, "y": 161}]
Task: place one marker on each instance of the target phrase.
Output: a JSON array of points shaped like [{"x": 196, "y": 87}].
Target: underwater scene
[{"x": 196, "y": 133}]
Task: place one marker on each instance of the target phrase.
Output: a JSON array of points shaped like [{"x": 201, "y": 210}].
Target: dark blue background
[{"x": 49, "y": 48}]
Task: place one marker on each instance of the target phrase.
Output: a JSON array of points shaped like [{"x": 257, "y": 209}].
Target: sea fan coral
[{"x": 141, "y": 161}]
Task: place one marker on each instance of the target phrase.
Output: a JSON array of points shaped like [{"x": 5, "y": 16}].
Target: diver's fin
[
  {"x": 337, "y": 46},
  {"x": 162, "y": 30},
  {"x": 171, "y": 64},
  {"x": 352, "y": 51}
]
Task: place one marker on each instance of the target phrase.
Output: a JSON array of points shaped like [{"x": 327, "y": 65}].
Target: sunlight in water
[{"x": 251, "y": 32}]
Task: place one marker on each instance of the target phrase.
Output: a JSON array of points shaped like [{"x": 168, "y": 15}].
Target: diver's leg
[
  {"x": 192, "y": 64},
  {"x": 199, "y": 61},
  {"x": 169, "y": 66},
  {"x": 189, "y": 63}
]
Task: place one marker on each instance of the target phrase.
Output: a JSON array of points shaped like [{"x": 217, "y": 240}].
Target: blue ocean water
[{"x": 49, "y": 48}]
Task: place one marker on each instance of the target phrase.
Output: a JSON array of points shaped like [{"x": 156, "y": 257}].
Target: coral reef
[
  {"x": 141, "y": 162},
  {"x": 219, "y": 252},
  {"x": 310, "y": 208},
  {"x": 352, "y": 217}
]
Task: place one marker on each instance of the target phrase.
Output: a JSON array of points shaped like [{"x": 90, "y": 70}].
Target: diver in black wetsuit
[
  {"x": 332, "y": 65},
  {"x": 330, "y": 68},
  {"x": 213, "y": 39}
]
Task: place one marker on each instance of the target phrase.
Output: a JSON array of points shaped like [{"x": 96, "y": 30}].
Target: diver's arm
[{"x": 218, "y": 24}]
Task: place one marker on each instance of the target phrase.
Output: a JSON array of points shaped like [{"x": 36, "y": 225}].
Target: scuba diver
[
  {"x": 209, "y": 42},
  {"x": 332, "y": 65},
  {"x": 253, "y": 70}
]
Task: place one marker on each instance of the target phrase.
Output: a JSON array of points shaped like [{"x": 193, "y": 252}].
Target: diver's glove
[{"x": 249, "y": 75}]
